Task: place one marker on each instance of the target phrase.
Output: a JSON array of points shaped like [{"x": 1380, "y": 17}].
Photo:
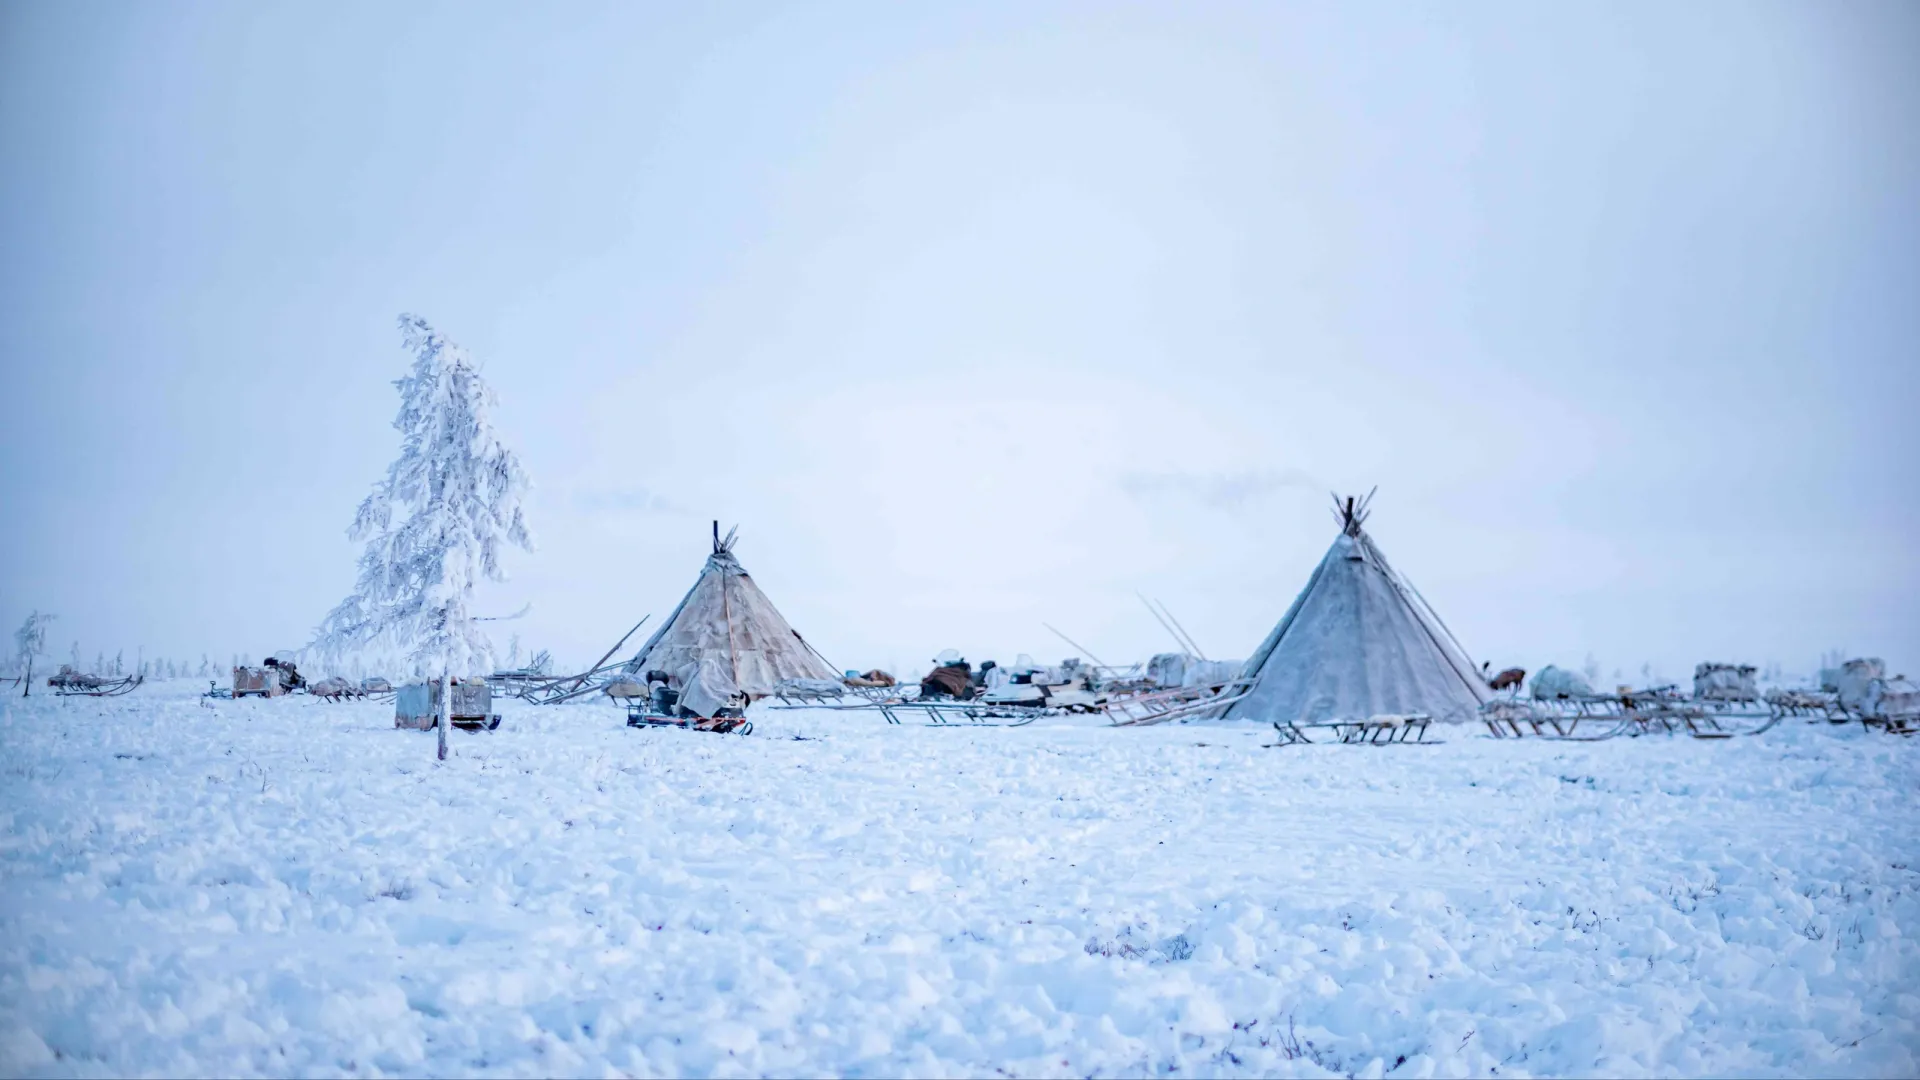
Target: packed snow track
[{"x": 292, "y": 887}]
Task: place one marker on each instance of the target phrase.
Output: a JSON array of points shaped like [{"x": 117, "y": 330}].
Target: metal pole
[{"x": 446, "y": 710}]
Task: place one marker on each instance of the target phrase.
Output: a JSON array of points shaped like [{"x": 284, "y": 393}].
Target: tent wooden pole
[
  {"x": 598, "y": 664},
  {"x": 1191, "y": 644},
  {"x": 1076, "y": 645},
  {"x": 1168, "y": 627}
]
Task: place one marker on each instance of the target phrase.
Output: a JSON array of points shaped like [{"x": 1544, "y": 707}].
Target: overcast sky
[{"x": 979, "y": 316}]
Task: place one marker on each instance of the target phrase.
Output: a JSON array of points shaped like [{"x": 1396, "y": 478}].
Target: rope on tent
[
  {"x": 1422, "y": 613},
  {"x": 1470, "y": 678},
  {"x": 816, "y": 652}
]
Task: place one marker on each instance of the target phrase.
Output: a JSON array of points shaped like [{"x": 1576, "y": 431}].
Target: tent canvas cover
[
  {"x": 1359, "y": 641},
  {"x": 725, "y": 639}
]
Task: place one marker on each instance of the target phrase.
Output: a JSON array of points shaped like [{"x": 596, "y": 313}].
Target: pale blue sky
[{"x": 982, "y": 315}]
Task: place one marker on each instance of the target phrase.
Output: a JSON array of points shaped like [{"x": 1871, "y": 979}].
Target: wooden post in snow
[{"x": 446, "y": 710}]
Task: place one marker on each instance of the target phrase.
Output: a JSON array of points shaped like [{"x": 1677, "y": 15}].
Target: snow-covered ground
[{"x": 291, "y": 887}]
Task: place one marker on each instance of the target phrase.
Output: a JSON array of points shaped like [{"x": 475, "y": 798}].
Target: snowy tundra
[{"x": 294, "y": 887}]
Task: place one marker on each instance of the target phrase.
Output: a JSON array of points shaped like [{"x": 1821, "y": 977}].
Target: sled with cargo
[
  {"x": 69, "y": 683},
  {"x": 1862, "y": 691},
  {"x": 417, "y": 705},
  {"x": 640, "y": 716},
  {"x": 657, "y": 704}
]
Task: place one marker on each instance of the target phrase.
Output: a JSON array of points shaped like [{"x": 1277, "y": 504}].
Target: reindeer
[
  {"x": 334, "y": 689},
  {"x": 1510, "y": 679}
]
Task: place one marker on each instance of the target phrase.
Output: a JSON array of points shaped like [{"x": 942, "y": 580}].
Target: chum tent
[
  {"x": 725, "y": 639},
  {"x": 1359, "y": 641}
]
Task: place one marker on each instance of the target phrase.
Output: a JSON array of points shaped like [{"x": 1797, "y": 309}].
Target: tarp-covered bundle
[
  {"x": 1899, "y": 698},
  {"x": 1858, "y": 682},
  {"x": 1725, "y": 682},
  {"x": 1358, "y": 642},
  {"x": 726, "y": 644},
  {"x": 1555, "y": 683},
  {"x": 1168, "y": 670},
  {"x": 69, "y": 679},
  {"x": 1866, "y": 691}
]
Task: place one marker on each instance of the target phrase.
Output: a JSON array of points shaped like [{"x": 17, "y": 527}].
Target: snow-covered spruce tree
[
  {"x": 434, "y": 526},
  {"x": 31, "y": 641}
]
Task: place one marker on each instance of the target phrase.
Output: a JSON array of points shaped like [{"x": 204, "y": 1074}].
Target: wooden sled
[
  {"x": 1178, "y": 703},
  {"x": 1577, "y": 726},
  {"x": 946, "y": 714},
  {"x": 1900, "y": 723},
  {"x": 1375, "y": 731},
  {"x": 797, "y": 697},
  {"x": 1596, "y": 717},
  {"x": 1811, "y": 704},
  {"x": 972, "y": 714},
  {"x": 1695, "y": 719}
]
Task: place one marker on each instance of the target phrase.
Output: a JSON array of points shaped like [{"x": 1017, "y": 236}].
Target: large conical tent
[
  {"x": 727, "y": 638},
  {"x": 1359, "y": 641}
]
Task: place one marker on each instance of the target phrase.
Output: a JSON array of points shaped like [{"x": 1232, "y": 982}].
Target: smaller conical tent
[
  {"x": 726, "y": 638},
  {"x": 1359, "y": 641}
]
